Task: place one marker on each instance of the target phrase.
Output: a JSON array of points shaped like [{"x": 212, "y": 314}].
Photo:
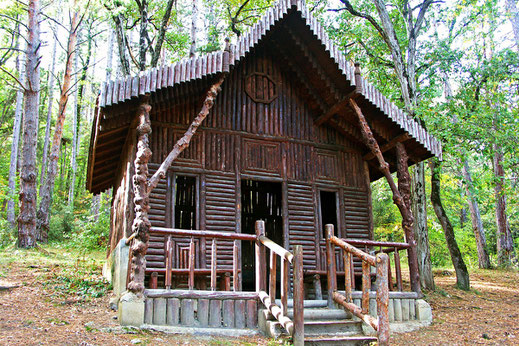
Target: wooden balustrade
[
  {"x": 187, "y": 266},
  {"x": 380, "y": 261},
  {"x": 296, "y": 326}
]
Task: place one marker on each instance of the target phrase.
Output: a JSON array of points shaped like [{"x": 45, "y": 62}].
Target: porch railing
[
  {"x": 380, "y": 262},
  {"x": 266, "y": 295},
  {"x": 386, "y": 247},
  {"x": 294, "y": 327},
  {"x": 188, "y": 257}
]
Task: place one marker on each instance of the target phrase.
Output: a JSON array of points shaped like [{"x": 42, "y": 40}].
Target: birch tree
[{"x": 18, "y": 115}]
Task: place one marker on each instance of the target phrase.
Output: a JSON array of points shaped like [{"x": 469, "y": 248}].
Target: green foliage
[{"x": 8, "y": 235}]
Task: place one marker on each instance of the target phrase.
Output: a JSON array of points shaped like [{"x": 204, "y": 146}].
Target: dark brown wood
[
  {"x": 330, "y": 265},
  {"x": 261, "y": 273},
  {"x": 272, "y": 279},
  {"x": 183, "y": 142},
  {"x": 205, "y": 234},
  {"x": 154, "y": 280},
  {"x": 398, "y": 271},
  {"x": 299, "y": 297},
  {"x": 369, "y": 243},
  {"x": 285, "y": 284},
  {"x": 404, "y": 186},
  {"x": 227, "y": 281}
]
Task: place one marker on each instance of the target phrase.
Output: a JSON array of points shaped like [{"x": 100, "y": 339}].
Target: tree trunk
[
  {"x": 462, "y": 274},
  {"x": 513, "y": 16},
  {"x": 29, "y": 173},
  {"x": 504, "y": 236},
  {"x": 73, "y": 154},
  {"x": 420, "y": 230},
  {"x": 49, "y": 114},
  {"x": 121, "y": 44},
  {"x": 78, "y": 106},
  {"x": 18, "y": 115},
  {"x": 194, "y": 15},
  {"x": 157, "y": 52},
  {"x": 143, "y": 34},
  {"x": 475, "y": 216},
  {"x": 46, "y": 197},
  {"x": 109, "y": 56}
]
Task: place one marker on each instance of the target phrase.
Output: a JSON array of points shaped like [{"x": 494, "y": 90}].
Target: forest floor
[{"x": 56, "y": 297}]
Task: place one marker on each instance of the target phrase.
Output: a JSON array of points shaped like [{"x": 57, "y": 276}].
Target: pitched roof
[{"x": 123, "y": 89}]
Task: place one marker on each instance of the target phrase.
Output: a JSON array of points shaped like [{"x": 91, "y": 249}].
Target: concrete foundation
[
  {"x": 116, "y": 268},
  {"x": 131, "y": 310}
]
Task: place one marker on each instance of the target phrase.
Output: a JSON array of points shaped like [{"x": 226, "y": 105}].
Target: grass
[{"x": 64, "y": 271}]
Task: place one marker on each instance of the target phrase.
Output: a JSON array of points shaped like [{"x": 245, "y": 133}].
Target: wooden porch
[{"x": 288, "y": 299}]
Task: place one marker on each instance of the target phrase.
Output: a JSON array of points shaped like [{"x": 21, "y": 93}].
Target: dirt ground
[{"x": 36, "y": 308}]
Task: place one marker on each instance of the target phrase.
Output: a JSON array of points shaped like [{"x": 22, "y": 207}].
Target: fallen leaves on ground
[{"x": 488, "y": 314}]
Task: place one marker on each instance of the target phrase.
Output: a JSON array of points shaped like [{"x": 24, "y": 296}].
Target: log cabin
[{"x": 282, "y": 164}]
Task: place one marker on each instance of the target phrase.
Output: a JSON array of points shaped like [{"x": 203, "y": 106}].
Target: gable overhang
[{"x": 291, "y": 33}]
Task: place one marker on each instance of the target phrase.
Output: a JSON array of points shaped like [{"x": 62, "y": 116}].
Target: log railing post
[
  {"x": 347, "y": 276},
  {"x": 299, "y": 294},
  {"x": 261, "y": 274},
  {"x": 382, "y": 261},
  {"x": 235, "y": 262},
  {"x": 366, "y": 286},
  {"x": 285, "y": 273},
  {"x": 330, "y": 261},
  {"x": 169, "y": 262},
  {"x": 191, "y": 259},
  {"x": 398, "y": 271},
  {"x": 272, "y": 280},
  {"x": 213, "y": 265}
]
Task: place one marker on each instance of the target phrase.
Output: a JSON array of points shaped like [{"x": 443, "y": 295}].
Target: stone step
[
  {"x": 322, "y": 314},
  {"x": 340, "y": 340}
]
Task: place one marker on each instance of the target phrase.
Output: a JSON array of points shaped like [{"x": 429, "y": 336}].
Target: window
[
  {"x": 328, "y": 205},
  {"x": 185, "y": 202}
]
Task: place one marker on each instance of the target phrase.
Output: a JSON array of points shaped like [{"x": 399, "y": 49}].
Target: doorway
[{"x": 261, "y": 200}]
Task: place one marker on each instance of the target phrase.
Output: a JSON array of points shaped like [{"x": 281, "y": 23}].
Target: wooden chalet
[{"x": 281, "y": 144}]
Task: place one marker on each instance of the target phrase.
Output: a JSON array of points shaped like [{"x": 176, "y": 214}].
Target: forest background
[{"x": 459, "y": 59}]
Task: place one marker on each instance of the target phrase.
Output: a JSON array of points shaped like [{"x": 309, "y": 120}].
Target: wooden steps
[
  {"x": 323, "y": 326},
  {"x": 341, "y": 340}
]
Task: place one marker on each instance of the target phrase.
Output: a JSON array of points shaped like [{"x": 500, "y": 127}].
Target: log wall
[{"x": 247, "y": 139}]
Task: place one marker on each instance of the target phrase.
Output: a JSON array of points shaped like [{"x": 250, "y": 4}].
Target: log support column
[
  {"x": 401, "y": 194},
  {"x": 141, "y": 224}
]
